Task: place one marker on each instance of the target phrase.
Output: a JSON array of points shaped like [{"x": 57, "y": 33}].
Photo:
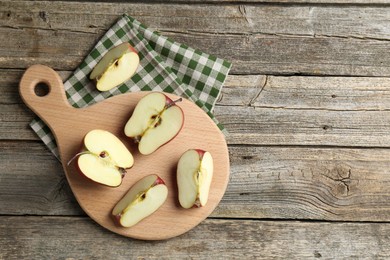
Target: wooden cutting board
[{"x": 69, "y": 125}]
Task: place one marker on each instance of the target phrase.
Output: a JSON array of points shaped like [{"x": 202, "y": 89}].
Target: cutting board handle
[{"x": 50, "y": 106}]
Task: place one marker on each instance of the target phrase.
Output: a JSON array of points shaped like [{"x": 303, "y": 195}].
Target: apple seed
[
  {"x": 122, "y": 171},
  {"x": 103, "y": 154},
  {"x": 156, "y": 121}
]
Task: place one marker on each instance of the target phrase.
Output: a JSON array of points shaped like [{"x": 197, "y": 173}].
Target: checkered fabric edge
[{"x": 165, "y": 65}]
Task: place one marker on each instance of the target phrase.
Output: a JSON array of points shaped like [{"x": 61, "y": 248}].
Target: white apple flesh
[
  {"x": 142, "y": 200},
  {"x": 194, "y": 176},
  {"x": 117, "y": 66},
  {"x": 105, "y": 158},
  {"x": 155, "y": 121}
]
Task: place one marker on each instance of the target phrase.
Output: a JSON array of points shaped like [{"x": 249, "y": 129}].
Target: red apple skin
[
  {"x": 82, "y": 174},
  {"x": 170, "y": 102},
  {"x": 158, "y": 181},
  {"x": 131, "y": 48},
  {"x": 117, "y": 217},
  {"x": 201, "y": 153},
  {"x": 197, "y": 204},
  {"x": 174, "y": 135},
  {"x": 84, "y": 149},
  {"x": 90, "y": 180}
]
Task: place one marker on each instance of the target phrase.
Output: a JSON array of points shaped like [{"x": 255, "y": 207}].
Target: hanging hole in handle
[{"x": 41, "y": 89}]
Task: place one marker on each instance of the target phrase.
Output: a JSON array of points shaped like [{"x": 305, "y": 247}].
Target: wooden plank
[
  {"x": 267, "y": 126},
  {"x": 269, "y": 39},
  {"x": 321, "y": 93},
  {"x": 33, "y": 182},
  {"x": 255, "y": 109},
  {"x": 266, "y": 182},
  {"x": 261, "y": 91},
  {"x": 14, "y": 115},
  {"x": 70, "y": 237},
  {"x": 334, "y": 2},
  {"x": 310, "y": 20},
  {"x": 305, "y": 110},
  {"x": 369, "y": 21},
  {"x": 308, "y": 183}
]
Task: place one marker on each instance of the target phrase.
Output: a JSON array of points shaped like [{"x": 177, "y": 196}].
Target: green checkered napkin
[{"x": 165, "y": 65}]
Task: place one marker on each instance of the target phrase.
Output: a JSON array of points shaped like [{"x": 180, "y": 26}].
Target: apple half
[
  {"x": 194, "y": 176},
  {"x": 142, "y": 200},
  {"x": 117, "y": 66},
  {"x": 155, "y": 121},
  {"x": 104, "y": 158}
]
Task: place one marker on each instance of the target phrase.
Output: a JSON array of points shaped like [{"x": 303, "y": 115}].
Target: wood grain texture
[
  {"x": 306, "y": 111},
  {"x": 299, "y": 20},
  {"x": 258, "y": 39},
  {"x": 264, "y": 126},
  {"x": 267, "y": 110},
  {"x": 337, "y": 184},
  {"x": 304, "y": 143},
  {"x": 68, "y": 238},
  {"x": 15, "y": 116},
  {"x": 308, "y": 183},
  {"x": 33, "y": 181},
  {"x": 248, "y": 2}
]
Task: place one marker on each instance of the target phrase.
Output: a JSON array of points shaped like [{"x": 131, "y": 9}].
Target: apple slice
[
  {"x": 155, "y": 121},
  {"x": 194, "y": 175},
  {"x": 104, "y": 159},
  {"x": 142, "y": 200},
  {"x": 117, "y": 66}
]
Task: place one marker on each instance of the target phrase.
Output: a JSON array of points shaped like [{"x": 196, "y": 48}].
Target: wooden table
[{"x": 306, "y": 104}]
